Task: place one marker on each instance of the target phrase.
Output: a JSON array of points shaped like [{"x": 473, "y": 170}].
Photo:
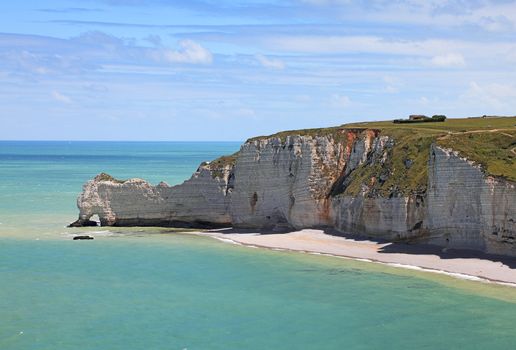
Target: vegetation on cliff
[
  {"x": 404, "y": 170},
  {"x": 336, "y": 132},
  {"x": 219, "y": 165},
  {"x": 494, "y": 150},
  {"x": 488, "y": 141},
  {"x": 107, "y": 177},
  {"x": 449, "y": 125}
]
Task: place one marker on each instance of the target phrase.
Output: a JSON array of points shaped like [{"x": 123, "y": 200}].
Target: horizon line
[{"x": 49, "y": 140}]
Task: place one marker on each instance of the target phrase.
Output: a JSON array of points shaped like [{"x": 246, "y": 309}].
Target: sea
[{"x": 155, "y": 288}]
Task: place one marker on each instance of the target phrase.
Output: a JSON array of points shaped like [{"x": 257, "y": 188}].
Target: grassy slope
[
  {"x": 495, "y": 151},
  {"x": 489, "y": 142},
  {"x": 405, "y": 169}
]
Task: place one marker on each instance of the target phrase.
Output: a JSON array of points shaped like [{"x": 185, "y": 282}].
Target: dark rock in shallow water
[
  {"x": 82, "y": 237},
  {"x": 83, "y": 223}
]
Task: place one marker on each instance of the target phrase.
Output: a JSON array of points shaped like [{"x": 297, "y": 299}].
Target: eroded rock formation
[
  {"x": 346, "y": 179},
  {"x": 201, "y": 201}
]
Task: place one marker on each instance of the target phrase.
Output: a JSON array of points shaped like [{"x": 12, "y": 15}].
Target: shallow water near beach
[{"x": 153, "y": 288}]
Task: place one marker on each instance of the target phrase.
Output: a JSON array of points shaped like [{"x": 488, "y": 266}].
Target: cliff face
[
  {"x": 467, "y": 209},
  {"x": 346, "y": 179},
  {"x": 293, "y": 183},
  {"x": 286, "y": 184}
]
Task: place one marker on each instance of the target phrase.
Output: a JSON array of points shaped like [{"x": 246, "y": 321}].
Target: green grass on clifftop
[
  {"x": 107, "y": 177},
  {"x": 490, "y": 142},
  {"x": 495, "y": 151},
  {"x": 335, "y": 131},
  {"x": 450, "y": 125},
  {"x": 218, "y": 165}
]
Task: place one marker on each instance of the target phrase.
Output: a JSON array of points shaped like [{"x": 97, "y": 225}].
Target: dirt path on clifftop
[{"x": 501, "y": 131}]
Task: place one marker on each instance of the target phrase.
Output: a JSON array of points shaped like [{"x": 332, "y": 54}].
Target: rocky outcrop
[
  {"x": 344, "y": 179},
  {"x": 201, "y": 201},
  {"x": 82, "y": 238}
]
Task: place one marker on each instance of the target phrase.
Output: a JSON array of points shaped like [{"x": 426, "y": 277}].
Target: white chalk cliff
[{"x": 323, "y": 180}]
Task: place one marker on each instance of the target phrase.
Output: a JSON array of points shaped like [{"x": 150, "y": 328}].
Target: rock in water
[
  {"x": 76, "y": 238},
  {"x": 83, "y": 223}
]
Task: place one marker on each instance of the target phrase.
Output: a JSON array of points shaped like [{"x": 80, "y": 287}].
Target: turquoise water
[
  {"x": 40, "y": 181},
  {"x": 155, "y": 289}
]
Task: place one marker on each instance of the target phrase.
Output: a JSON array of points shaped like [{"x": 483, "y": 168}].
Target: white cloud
[
  {"x": 189, "y": 52},
  {"x": 361, "y": 44},
  {"x": 327, "y": 2},
  {"x": 393, "y": 84},
  {"x": 273, "y": 63},
  {"x": 430, "y": 52},
  {"x": 488, "y": 14},
  {"x": 391, "y": 89},
  {"x": 498, "y": 96},
  {"x": 303, "y": 98},
  {"x": 340, "y": 101},
  {"x": 245, "y": 112},
  {"x": 449, "y": 60},
  {"x": 424, "y": 101},
  {"x": 496, "y": 24},
  {"x": 154, "y": 40},
  {"x": 511, "y": 55},
  {"x": 61, "y": 98}
]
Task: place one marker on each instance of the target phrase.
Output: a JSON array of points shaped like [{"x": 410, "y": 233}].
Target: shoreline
[{"x": 475, "y": 267}]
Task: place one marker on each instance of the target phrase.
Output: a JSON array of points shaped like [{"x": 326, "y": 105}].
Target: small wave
[
  {"x": 459, "y": 275},
  {"x": 102, "y": 233},
  {"x": 227, "y": 240}
]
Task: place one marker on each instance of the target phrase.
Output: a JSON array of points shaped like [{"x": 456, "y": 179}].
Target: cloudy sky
[{"x": 228, "y": 70}]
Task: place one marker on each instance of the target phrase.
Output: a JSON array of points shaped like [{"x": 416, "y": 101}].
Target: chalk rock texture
[
  {"x": 290, "y": 184},
  {"x": 201, "y": 201},
  {"x": 285, "y": 184},
  {"x": 295, "y": 182},
  {"x": 466, "y": 209}
]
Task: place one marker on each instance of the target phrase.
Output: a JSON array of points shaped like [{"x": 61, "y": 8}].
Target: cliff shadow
[
  {"x": 445, "y": 253},
  {"x": 413, "y": 248},
  {"x": 389, "y": 247},
  {"x": 356, "y": 237}
]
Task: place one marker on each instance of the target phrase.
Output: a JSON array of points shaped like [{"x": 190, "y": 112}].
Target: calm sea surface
[{"x": 155, "y": 289}]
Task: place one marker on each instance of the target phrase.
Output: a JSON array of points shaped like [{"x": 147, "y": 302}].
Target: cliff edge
[{"x": 452, "y": 184}]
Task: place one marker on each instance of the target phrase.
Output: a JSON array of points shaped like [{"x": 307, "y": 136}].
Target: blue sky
[{"x": 229, "y": 70}]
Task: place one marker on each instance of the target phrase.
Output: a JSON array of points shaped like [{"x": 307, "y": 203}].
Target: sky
[{"x": 229, "y": 70}]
